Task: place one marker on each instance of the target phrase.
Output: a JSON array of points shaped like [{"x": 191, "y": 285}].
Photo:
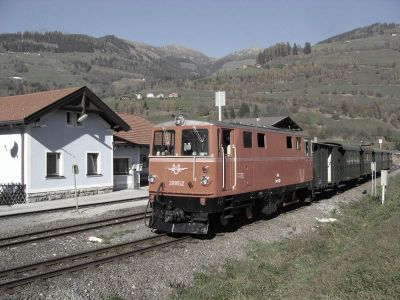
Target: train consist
[{"x": 215, "y": 171}]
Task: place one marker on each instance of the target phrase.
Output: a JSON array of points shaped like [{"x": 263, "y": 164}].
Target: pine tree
[
  {"x": 244, "y": 110},
  {"x": 255, "y": 111},
  {"x": 232, "y": 113},
  {"x": 307, "y": 48},
  {"x": 226, "y": 115},
  {"x": 294, "y": 49}
]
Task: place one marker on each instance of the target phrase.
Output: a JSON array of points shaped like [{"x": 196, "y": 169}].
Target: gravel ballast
[{"x": 155, "y": 275}]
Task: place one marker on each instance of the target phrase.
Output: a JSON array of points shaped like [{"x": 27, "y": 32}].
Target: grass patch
[{"x": 354, "y": 258}]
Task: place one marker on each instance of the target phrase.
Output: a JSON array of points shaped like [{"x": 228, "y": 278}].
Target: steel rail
[
  {"x": 45, "y": 273},
  {"x": 65, "y": 230}
]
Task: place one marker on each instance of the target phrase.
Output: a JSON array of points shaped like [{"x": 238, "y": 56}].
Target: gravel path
[{"x": 155, "y": 275}]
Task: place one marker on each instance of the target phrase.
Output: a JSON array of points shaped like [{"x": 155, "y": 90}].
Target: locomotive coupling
[{"x": 175, "y": 216}]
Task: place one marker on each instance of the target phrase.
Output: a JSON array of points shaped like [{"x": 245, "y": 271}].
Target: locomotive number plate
[{"x": 176, "y": 183}]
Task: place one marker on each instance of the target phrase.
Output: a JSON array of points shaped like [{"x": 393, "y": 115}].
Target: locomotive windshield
[
  {"x": 164, "y": 142},
  {"x": 195, "y": 142}
]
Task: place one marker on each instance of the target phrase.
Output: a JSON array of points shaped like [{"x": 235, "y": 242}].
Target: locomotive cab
[{"x": 183, "y": 176}]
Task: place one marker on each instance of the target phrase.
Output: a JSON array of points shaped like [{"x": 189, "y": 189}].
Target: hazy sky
[{"x": 214, "y": 27}]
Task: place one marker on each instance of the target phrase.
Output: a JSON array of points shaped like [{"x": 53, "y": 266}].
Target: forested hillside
[
  {"x": 345, "y": 87},
  {"x": 346, "y": 90}
]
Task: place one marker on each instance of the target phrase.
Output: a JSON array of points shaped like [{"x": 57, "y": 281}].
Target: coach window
[
  {"x": 164, "y": 142},
  {"x": 289, "y": 142},
  {"x": 298, "y": 143},
  {"x": 195, "y": 142},
  {"x": 247, "y": 142}
]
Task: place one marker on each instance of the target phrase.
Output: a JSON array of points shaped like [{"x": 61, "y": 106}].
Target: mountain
[
  {"x": 236, "y": 59},
  {"x": 35, "y": 61},
  {"x": 365, "y": 32},
  {"x": 347, "y": 88}
]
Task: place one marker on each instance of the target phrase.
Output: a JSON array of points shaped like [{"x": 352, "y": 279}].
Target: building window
[
  {"x": 121, "y": 166},
  {"x": 261, "y": 140},
  {"x": 92, "y": 164},
  {"x": 53, "y": 164},
  {"x": 289, "y": 142},
  {"x": 70, "y": 121},
  {"x": 247, "y": 142},
  {"x": 298, "y": 143}
]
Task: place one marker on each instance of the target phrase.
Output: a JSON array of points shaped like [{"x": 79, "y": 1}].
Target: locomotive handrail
[
  {"x": 235, "y": 165},
  {"x": 223, "y": 166},
  {"x": 194, "y": 169}
]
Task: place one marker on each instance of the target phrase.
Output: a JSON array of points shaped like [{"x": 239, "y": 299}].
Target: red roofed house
[
  {"x": 131, "y": 148},
  {"x": 43, "y": 135}
]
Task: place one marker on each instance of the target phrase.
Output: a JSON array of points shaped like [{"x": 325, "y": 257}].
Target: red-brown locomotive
[{"x": 201, "y": 171}]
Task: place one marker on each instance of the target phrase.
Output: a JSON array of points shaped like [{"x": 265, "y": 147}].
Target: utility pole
[{"x": 219, "y": 102}]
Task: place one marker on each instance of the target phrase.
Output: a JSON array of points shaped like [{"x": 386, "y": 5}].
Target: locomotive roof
[{"x": 232, "y": 125}]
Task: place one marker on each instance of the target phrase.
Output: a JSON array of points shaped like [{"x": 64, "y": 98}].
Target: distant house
[
  {"x": 139, "y": 96},
  {"x": 160, "y": 96},
  {"x": 173, "y": 95},
  {"x": 131, "y": 149},
  {"x": 125, "y": 97},
  {"x": 394, "y": 34},
  {"x": 43, "y": 135},
  {"x": 149, "y": 95}
]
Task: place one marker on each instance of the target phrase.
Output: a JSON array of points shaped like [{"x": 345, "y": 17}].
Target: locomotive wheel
[
  {"x": 249, "y": 212},
  {"x": 224, "y": 221}
]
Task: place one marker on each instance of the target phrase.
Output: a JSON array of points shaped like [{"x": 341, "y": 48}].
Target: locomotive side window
[
  {"x": 164, "y": 142},
  {"x": 289, "y": 142},
  {"x": 261, "y": 140},
  {"x": 298, "y": 143},
  {"x": 306, "y": 147},
  {"x": 195, "y": 142},
  {"x": 247, "y": 142}
]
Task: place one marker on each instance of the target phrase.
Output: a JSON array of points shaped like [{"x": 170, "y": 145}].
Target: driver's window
[{"x": 226, "y": 140}]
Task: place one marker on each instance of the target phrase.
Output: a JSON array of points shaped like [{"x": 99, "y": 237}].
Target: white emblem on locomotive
[{"x": 176, "y": 169}]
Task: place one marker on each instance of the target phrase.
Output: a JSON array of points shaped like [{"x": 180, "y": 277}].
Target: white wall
[
  {"x": 73, "y": 143},
  {"x": 10, "y": 156}
]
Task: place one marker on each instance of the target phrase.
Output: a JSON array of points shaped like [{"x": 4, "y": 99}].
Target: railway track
[
  {"x": 66, "y": 230},
  {"x": 22, "y": 275},
  {"x": 73, "y": 206}
]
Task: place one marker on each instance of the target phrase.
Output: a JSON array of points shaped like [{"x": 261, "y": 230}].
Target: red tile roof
[
  {"x": 17, "y": 108},
  {"x": 140, "y": 132}
]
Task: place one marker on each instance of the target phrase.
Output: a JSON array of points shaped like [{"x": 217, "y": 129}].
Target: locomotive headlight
[
  {"x": 152, "y": 178},
  {"x": 204, "y": 180}
]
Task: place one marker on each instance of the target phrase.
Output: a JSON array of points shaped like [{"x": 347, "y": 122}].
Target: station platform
[{"x": 140, "y": 196}]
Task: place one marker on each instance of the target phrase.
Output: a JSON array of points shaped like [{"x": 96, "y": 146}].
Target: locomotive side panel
[{"x": 270, "y": 160}]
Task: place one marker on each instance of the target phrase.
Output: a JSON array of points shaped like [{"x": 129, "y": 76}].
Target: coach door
[
  {"x": 329, "y": 164},
  {"x": 227, "y": 154}
]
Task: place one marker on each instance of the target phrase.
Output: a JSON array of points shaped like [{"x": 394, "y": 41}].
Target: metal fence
[{"x": 12, "y": 193}]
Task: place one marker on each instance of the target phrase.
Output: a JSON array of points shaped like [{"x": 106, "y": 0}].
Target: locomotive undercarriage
[{"x": 187, "y": 215}]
